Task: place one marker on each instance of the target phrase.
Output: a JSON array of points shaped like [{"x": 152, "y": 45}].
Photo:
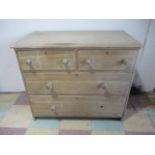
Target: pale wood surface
[
  {"x": 113, "y": 76},
  {"x": 47, "y": 59},
  {"x": 101, "y": 60},
  {"x": 130, "y": 85},
  {"x": 81, "y": 83},
  {"x": 100, "y": 89},
  {"x": 107, "y": 60},
  {"x": 75, "y": 39},
  {"x": 77, "y": 106}
]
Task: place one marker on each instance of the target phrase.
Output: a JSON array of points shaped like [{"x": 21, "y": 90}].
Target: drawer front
[
  {"x": 78, "y": 83},
  {"x": 107, "y": 60},
  {"x": 77, "y": 106},
  {"x": 47, "y": 60}
]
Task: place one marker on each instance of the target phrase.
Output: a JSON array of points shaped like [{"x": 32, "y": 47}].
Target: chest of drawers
[{"x": 77, "y": 74}]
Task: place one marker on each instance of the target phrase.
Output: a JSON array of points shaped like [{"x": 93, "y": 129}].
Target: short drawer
[
  {"x": 105, "y": 83},
  {"x": 107, "y": 60},
  {"x": 77, "y": 106},
  {"x": 47, "y": 60}
]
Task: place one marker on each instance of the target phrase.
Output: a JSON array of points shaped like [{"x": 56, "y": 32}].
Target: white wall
[
  {"x": 11, "y": 30},
  {"x": 147, "y": 65}
]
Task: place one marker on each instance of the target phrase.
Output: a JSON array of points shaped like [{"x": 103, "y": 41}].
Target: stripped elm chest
[{"x": 77, "y": 74}]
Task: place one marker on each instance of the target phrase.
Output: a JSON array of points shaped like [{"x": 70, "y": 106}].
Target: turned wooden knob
[
  {"x": 104, "y": 86},
  {"x": 29, "y": 62},
  {"x": 52, "y": 108},
  {"x": 49, "y": 85},
  {"x": 88, "y": 61},
  {"x": 65, "y": 61},
  {"x": 124, "y": 61}
]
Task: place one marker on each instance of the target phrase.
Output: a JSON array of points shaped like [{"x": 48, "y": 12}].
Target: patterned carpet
[{"x": 16, "y": 119}]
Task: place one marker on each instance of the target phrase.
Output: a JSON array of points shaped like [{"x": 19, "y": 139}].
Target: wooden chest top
[{"x": 77, "y": 39}]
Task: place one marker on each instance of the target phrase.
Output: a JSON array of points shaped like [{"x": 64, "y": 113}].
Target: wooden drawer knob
[
  {"x": 49, "y": 85},
  {"x": 65, "y": 61},
  {"x": 29, "y": 62},
  {"x": 88, "y": 61},
  {"x": 52, "y": 108},
  {"x": 126, "y": 63},
  {"x": 104, "y": 86}
]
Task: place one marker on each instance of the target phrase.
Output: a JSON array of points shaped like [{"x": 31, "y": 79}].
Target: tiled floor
[{"x": 16, "y": 119}]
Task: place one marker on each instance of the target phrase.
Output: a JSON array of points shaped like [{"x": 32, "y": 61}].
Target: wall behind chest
[{"x": 12, "y": 30}]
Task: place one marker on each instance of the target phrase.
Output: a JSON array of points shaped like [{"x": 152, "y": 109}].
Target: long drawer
[
  {"x": 77, "y": 106},
  {"x": 47, "y": 59},
  {"x": 100, "y": 83},
  {"x": 107, "y": 60}
]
